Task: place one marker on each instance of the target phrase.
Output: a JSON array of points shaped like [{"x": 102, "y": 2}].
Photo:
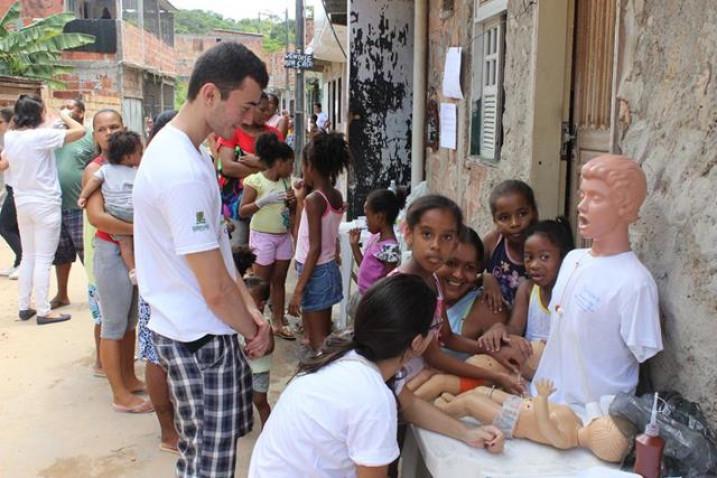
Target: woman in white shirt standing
[
  {"x": 338, "y": 416},
  {"x": 29, "y": 153}
]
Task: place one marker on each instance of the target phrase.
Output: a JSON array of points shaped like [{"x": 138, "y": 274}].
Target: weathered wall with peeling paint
[
  {"x": 667, "y": 121},
  {"x": 380, "y": 103},
  {"x": 468, "y": 180}
]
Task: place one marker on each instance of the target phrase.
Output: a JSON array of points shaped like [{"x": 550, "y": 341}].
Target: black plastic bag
[{"x": 690, "y": 445}]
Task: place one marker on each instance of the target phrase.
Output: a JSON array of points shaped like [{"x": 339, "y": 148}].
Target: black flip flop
[{"x": 44, "y": 320}]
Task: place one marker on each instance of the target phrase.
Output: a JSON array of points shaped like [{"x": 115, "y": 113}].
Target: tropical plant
[{"x": 34, "y": 51}]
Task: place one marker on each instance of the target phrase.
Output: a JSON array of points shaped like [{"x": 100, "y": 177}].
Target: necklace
[{"x": 562, "y": 304}]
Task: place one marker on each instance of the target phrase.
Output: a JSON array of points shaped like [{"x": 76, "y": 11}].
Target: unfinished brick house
[{"x": 130, "y": 67}]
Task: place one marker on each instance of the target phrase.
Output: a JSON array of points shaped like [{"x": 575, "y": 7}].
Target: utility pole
[
  {"x": 287, "y": 85},
  {"x": 299, "y": 121}
]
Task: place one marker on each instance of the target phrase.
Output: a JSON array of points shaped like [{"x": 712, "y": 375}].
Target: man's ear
[{"x": 208, "y": 93}]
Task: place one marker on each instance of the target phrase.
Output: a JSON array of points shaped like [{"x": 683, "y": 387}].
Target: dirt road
[{"x": 56, "y": 417}]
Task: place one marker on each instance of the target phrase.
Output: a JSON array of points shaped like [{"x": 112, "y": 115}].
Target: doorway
[{"x": 592, "y": 91}]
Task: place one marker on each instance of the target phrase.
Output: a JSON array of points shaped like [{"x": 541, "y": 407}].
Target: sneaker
[
  {"x": 7, "y": 271},
  {"x": 14, "y": 275}
]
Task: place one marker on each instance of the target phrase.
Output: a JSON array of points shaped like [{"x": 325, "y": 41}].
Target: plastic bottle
[{"x": 649, "y": 447}]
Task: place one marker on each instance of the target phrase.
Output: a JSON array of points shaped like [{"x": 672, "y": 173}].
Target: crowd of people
[{"x": 192, "y": 234}]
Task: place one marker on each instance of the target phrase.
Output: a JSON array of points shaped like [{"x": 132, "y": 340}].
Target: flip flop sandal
[
  {"x": 168, "y": 449},
  {"x": 144, "y": 407},
  {"x": 284, "y": 332},
  {"x": 56, "y": 304}
]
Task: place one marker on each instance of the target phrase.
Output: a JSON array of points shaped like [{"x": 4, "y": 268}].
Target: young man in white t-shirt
[
  {"x": 604, "y": 310},
  {"x": 185, "y": 268}
]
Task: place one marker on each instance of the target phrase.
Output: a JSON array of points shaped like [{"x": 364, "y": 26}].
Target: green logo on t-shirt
[{"x": 200, "y": 222}]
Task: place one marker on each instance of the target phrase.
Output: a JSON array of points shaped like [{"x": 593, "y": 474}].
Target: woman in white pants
[{"x": 29, "y": 153}]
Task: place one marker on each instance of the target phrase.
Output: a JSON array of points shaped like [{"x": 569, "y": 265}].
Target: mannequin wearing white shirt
[{"x": 604, "y": 310}]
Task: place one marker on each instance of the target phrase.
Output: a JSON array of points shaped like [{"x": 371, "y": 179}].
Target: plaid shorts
[
  {"x": 71, "y": 244},
  {"x": 211, "y": 391}
]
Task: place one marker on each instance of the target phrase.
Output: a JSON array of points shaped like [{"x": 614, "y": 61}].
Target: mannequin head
[
  {"x": 612, "y": 189},
  {"x": 603, "y": 437}
]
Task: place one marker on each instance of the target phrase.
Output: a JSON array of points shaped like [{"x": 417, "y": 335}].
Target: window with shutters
[{"x": 486, "y": 136}]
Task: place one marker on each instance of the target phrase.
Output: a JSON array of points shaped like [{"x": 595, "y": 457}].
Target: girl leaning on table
[{"x": 338, "y": 417}]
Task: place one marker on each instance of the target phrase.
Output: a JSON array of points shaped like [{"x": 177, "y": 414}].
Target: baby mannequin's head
[{"x": 604, "y": 438}]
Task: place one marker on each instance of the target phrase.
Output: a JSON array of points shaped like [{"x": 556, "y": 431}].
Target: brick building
[
  {"x": 131, "y": 65},
  {"x": 189, "y": 46}
]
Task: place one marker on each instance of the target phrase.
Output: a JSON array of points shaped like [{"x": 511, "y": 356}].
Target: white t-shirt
[
  {"x": 322, "y": 120},
  {"x": 327, "y": 422},
  {"x": 117, "y": 183},
  {"x": 177, "y": 212},
  {"x": 604, "y": 323},
  {"x": 33, "y": 167}
]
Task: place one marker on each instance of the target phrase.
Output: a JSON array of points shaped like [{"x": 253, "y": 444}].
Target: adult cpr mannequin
[
  {"x": 445, "y": 383},
  {"x": 604, "y": 310},
  {"x": 538, "y": 420}
]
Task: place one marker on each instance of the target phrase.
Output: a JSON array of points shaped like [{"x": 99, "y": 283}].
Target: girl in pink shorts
[{"x": 269, "y": 199}]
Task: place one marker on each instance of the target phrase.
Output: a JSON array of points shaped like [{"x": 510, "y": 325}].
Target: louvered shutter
[{"x": 491, "y": 102}]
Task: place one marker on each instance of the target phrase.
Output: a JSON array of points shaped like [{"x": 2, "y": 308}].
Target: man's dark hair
[
  {"x": 122, "y": 144},
  {"x": 226, "y": 65},
  {"x": 317, "y": 105},
  {"x": 6, "y": 114},
  {"x": 79, "y": 103}
]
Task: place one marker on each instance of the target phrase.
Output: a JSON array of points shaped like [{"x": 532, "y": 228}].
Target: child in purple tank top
[{"x": 381, "y": 253}]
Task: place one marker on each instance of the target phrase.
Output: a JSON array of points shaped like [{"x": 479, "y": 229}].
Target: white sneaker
[
  {"x": 15, "y": 274},
  {"x": 7, "y": 271}
]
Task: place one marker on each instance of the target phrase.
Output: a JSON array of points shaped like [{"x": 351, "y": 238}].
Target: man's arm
[
  {"x": 236, "y": 169},
  {"x": 221, "y": 292}
]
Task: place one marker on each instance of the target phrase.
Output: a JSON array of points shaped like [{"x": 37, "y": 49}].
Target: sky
[{"x": 239, "y": 9}]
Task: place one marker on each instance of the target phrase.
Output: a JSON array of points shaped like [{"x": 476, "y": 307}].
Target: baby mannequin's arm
[
  {"x": 438, "y": 384},
  {"x": 546, "y": 426}
]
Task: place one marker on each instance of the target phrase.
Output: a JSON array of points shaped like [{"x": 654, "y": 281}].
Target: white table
[
  {"x": 426, "y": 454},
  {"x": 347, "y": 264}
]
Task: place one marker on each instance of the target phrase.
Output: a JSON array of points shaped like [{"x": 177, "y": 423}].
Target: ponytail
[{"x": 388, "y": 318}]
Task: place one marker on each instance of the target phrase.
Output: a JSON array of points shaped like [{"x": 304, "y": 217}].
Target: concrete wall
[
  {"x": 668, "y": 122},
  {"x": 381, "y": 94},
  {"x": 468, "y": 180}
]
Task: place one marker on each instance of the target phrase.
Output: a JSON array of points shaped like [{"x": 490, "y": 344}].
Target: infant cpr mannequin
[
  {"x": 445, "y": 383},
  {"x": 538, "y": 420}
]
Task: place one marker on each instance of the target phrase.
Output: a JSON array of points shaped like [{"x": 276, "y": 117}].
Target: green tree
[
  {"x": 273, "y": 27},
  {"x": 34, "y": 51}
]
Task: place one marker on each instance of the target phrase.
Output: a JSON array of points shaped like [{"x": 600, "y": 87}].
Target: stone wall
[
  {"x": 668, "y": 122},
  {"x": 469, "y": 180}
]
